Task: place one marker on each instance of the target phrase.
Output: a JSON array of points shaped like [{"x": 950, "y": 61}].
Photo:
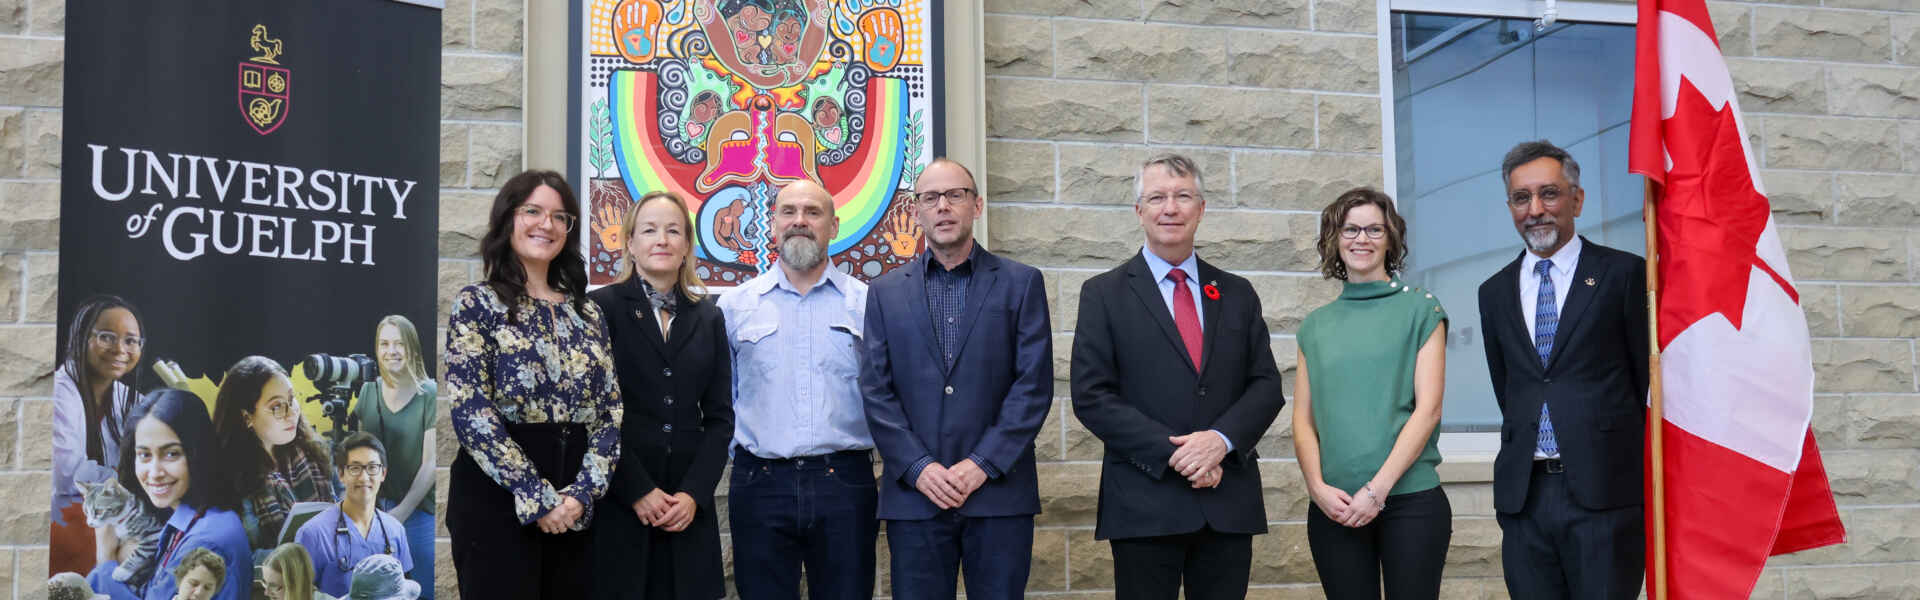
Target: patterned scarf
[
  {"x": 299, "y": 478},
  {"x": 667, "y": 301}
]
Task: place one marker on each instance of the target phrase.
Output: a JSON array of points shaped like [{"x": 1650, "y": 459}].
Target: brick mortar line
[
  {"x": 1150, "y": 82},
  {"x": 1253, "y": 149},
  {"x": 1842, "y": 9},
  {"x": 1208, "y": 26},
  {"x": 29, "y": 36},
  {"x": 1129, "y": 208}
]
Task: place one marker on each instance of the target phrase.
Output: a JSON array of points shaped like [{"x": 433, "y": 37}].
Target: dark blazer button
[
  {"x": 667, "y": 428},
  {"x": 1203, "y": 390},
  {"x": 667, "y": 372},
  {"x": 668, "y": 400}
]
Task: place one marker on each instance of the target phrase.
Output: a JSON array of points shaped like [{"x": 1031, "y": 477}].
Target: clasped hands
[
  {"x": 670, "y": 512},
  {"x": 1356, "y": 510},
  {"x": 1197, "y": 457},
  {"x": 562, "y": 517},
  {"x": 949, "y": 487}
]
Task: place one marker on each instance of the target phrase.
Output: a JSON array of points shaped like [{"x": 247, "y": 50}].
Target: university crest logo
[{"x": 266, "y": 88}]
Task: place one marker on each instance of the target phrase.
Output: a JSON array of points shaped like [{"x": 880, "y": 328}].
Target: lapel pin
[
  {"x": 1589, "y": 282},
  {"x": 1213, "y": 293}
]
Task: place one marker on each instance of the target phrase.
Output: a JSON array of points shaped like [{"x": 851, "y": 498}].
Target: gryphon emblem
[{"x": 266, "y": 89}]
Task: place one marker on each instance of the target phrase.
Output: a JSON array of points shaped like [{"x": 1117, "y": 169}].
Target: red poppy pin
[{"x": 1213, "y": 293}]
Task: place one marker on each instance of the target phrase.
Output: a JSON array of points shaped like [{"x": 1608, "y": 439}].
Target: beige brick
[
  {"x": 1356, "y": 16},
  {"x": 1282, "y": 555},
  {"x": 446, "y": 581},
  {"x": 1877, "y": 311},
  {"x": 1065, "y": 236},
  {"x": 13, "y": 141},
  {"x": 35, "y": 418},
  {"x": 1832, "y": 424},
  {"x": 1062, "y": 364},
  {"x": 1059, "y": 110},
  {"x": 452, "y": 275},
  {"x": 1874, "y": 535},
  {"x": 1105, "y": 174},
  {"x": 1821, "y": 303},
  {"x": 32, "y": 71},
  {"x": 42, "y": 288},
  {"x": 1063, "y": 299},
  {"x": 1888, "y": 5},
  {"x": 1286, "y": 591},
  {"x": 1301, "y": 181},
  {"x": 13, "y": 16},
  {"x": 30, "y": 216},
  {"x": 1872, "y": 581},
  {"x": 1469, "y": 499},
  {"x": 1259, "y": 241},
  {"x": 456, "y": 25},
  {"x": 1278, "y": 442},
  {"x": 495, "y": 156},
  {"x": 1877, "y": 200},
  {"x": 497, "y": 25},
  {"x": 1089, "y": 561},
  {"x": 1910, "y": 145},
  {"x": 26, "y": 361},
  {"x": 11, "y": 285},
  {"x": 1069, "y": 494},
  {"x": 1048, "y": 445},
  {"x": 1230, "y": 117},
  {"x": 1884, "y": 421},
  {"x": 1475, "y": 548},
  {"x": 1099, "y": 9},
  {"x": 1828, "y": 143},
  {"x": 1799, "y": 196},
  {"x": 1873, "y": 476},
  {"x": 453, "y": 155},
  {"x": 1876, "y": 91},
  {"x": 476, "y": 87},
  {"x": 1863, "y": 366},
  {"x": 1906, "y": 35},
  {"x": 1779, "y": 86},
  {"x": 23, "y": 516},
  {"x": 1285, "y": 300},
  {"x": 463, "y": 221},
  {"x": 1822, "y": 34},
  {"x": 1349, "y": 123},
  {"x": 42, "y": 143},
  {"x": 1283, "y": 491},
  {"x": 32, "y": 564},
  {"x": 1288, "y": 14},
  {"x": 1734, "y": 25},
  {"x": 1018, "y": 172},
  {"x": 1299, "y": 60},
  {"x": 1141, "y": 51},
  {"x": 1018, "y": 45},
  {"x": 1845, "y": 254},
  {"x": 1048, "y": 571}
]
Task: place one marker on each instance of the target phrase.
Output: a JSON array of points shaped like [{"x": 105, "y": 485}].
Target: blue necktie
[{"x": 1546, "y": 319}]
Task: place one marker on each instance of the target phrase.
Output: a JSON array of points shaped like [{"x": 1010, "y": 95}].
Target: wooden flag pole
[{"x": 1656, "y": 413}]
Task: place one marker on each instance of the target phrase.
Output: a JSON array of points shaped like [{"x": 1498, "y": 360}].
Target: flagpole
[{"x": 1656, "y": 413}]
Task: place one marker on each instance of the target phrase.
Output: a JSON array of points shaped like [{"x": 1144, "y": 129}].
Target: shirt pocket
[
  {"x": 842, "y": 357},
  {"x": 749, "y": 338}
]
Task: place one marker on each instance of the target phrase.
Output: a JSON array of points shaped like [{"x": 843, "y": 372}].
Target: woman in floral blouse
[{"x": 535, "y": 402}]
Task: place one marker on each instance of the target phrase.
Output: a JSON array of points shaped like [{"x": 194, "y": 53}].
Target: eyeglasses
[
  {"x": 111, "y": 340},
  {"x": 953, "y": 197},
  {"x": 280, "y": 409},
  {"x": 1373, "y": 232},
  {"x": 372, "y": 470},
  {"x": 1183, "y": 198},
  {"x": 531, "y": 215},
  {"x": 1549, "y": 197}
]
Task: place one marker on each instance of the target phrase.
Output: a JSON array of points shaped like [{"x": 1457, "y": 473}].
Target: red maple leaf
[{"x": 1710, "y": 218}]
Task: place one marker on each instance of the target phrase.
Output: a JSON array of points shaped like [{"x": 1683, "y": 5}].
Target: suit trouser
[
  {"x": 1554, "y": 549},
  {"x": 816, "y": 511},
  {"x": 929, "y": 554},
  {"x": 1213, "y": 565},
  {"x": 1407, "y": 543}
]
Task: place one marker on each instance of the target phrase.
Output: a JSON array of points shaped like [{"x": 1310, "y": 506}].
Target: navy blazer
[{"x": 991, "y": 404}]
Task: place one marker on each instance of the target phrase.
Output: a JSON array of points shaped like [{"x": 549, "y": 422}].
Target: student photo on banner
[{"x": 91, "y": 398}]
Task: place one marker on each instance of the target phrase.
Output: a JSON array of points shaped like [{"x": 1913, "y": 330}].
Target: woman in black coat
[{"x": 658, "y": 536}]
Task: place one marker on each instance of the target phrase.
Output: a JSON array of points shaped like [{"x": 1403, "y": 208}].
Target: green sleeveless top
[{"x": 1360, "y": 351}]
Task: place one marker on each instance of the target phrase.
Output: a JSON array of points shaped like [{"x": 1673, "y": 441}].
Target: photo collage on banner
[
  {"x": 722, "y": 102},
  {"x": 244, "y": 402}
]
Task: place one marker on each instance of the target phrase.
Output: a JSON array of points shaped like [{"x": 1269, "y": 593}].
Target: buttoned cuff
[
  {"x": 985, "y": 465},
  {"x": 913, "y": 472}
]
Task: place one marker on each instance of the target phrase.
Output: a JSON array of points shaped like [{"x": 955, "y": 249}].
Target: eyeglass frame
[
  {"x": 950, "y": 196},
  {"x": 531, "y": 215},
  {"x": 1352, "y": 232},
  {"x": 115, "y": 340},
  {"x": 347, "y": 471}
]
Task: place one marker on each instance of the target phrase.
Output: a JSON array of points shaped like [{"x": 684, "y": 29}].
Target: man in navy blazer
[{"x": 958, "y": 378}]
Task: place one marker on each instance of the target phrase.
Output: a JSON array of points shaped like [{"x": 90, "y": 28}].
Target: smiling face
[
  {"x": 362, "y": 488},
  {"x": 1543, "y": 204},
  {"x": 948, "y": 222},
  {"x": 1365, "y": 256},
  {"x": 113, "y": 357},
  {"x": 274, "y": 417},
  {"x": 1169, "y": 207},
  {"x": 391, "y": 350},
  {"x": 660, "y": 243},
  {"x": 538, "y": 236},
  {"x": 160, "y": 462}
]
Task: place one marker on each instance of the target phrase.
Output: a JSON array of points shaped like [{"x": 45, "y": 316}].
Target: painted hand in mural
[
  {"x": 606, "y": 224},
  {"x": 904, "y": 239}
]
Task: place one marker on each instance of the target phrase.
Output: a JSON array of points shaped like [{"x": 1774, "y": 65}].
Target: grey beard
[
  {"x": 1541, "y": 242},
  {"x": 801, "y": 253}
]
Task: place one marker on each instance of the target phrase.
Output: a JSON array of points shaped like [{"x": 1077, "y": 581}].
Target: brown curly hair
[{"x": 1334, "y": 216}]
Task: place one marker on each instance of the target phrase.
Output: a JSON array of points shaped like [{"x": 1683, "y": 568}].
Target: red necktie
[{"x": 1185, "y": 316}]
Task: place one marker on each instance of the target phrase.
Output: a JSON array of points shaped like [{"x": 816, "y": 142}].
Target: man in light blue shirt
[
  {"x": 343, "y": 534},
  {"x": 802, "y": 489}
]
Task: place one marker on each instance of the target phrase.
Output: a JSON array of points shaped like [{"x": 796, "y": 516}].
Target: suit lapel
[
  {"x": 641, "y": 310},
  {"x": 1210, "y": 311},
  {"x": 1140, "y": 280},
  {"x": 1579, "y": 296},
  {"x": 917, "y": 305},
  {"x": 683, "y": 326},
  {"x": 986, "y": 274}
]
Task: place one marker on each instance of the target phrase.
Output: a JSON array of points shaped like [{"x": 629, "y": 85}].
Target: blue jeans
[
  {"x": 928, "y": 556},
  {"x": 420, "y": 531},
  {"x": 812, "y": 511}
]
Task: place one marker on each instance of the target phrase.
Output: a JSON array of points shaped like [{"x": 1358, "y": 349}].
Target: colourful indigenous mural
[{"x": 725, "y": 101}]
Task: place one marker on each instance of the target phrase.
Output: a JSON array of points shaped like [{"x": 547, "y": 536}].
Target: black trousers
[
  {"x": 1407, "y": 543},
  {"x": 1213, "y": 565},
  {"x": 494, "y": 556},
  {"x": 1554, "y": 549}
]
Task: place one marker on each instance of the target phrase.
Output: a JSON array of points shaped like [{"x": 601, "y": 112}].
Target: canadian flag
[{"x": 1743, "y": 475}]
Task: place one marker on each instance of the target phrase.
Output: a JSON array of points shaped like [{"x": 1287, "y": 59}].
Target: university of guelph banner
[{"x": 244, "y": 398}]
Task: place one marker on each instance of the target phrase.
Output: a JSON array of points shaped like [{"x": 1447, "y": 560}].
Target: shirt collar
[
  {"x": 1563, "y": 259},
  {"x": 1160, "y": 267},
  {"x": 966, "y": 266},
  {"x": 833, "y": 277},
  {"x": 183, "y": 514}
]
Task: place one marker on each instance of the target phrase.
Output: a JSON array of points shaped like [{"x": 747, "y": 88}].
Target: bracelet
[{"x": 1368, "y": 488}]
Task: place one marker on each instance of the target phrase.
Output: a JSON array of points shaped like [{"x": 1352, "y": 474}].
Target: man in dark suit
[
  {"x": 1565, "y": 326},
  {"x": 958, "y": 378},
  {"x": 1172, "y": 370}
]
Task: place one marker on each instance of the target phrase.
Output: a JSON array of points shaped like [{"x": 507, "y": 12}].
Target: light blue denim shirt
[{"x": 796, "y": 365}]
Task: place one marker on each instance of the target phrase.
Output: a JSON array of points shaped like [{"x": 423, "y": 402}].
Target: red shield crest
[{"x": 266, "y": 93}]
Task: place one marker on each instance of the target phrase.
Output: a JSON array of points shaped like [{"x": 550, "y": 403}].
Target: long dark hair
[
  {"x": 508, "y": 279},
  {"x": 79, "y": 340},
  {"x": 239, "y": 393},
  {"x": 187, "y": 415}
]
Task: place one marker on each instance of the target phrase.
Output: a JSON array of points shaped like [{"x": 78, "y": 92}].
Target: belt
[
  {"x": 802, "y": 462},
  {"x": 1551, "y": 466}
]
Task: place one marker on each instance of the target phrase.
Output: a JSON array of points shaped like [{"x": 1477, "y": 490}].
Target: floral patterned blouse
[{"x": 551, "y": 366}]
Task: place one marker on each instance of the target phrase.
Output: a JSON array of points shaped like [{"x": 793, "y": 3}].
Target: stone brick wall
[{"x": 1277, "y": 100}]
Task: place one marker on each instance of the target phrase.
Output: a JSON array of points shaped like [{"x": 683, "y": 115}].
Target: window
[{"x": 1465, "y": 80}]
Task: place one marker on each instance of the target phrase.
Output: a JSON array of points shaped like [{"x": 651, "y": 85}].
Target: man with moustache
[
  {"x": 802, "y": 489},
  {"x": 1565, "y": 326},
  {"x": 958, "y": 379},
  {"x": 1172, "y": 369},
  {"x": 343, "y": 534}
]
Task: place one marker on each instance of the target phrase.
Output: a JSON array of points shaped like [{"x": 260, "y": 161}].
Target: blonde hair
[
  {"x": 411, "y": 338},
  {"x": 688, "y": 283},
  {"x": 295, "y": 567}
]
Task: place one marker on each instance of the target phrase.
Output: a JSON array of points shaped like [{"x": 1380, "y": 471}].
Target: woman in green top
[
  {"x": 1363, "y": 421},
  {"x": 399, "y": 410}
]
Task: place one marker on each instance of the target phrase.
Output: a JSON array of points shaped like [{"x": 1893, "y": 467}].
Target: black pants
[
  {"x": 1554, "y": 549},
  {"x": 494, "y": 556},
  {"x": 1214, "y": 566},
  {"x": 815, "y": 511},
  {"x": 1407, "y": 542}
]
